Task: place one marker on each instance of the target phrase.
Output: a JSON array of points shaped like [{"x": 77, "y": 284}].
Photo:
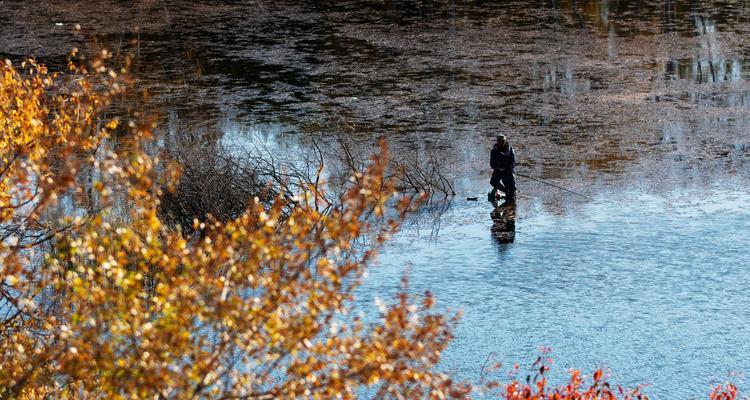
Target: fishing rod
[{"x": 556, "y": 186}]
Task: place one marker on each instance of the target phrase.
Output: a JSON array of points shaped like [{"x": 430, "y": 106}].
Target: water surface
[
  {"x": 644, "y": 105},
  {"x": 653, "y": 286}
]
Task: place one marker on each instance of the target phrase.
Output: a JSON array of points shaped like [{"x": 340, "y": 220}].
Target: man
[{"x": 503, "y": 161}]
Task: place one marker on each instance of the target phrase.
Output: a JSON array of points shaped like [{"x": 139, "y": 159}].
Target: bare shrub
[{"x": 213, "y": 183}]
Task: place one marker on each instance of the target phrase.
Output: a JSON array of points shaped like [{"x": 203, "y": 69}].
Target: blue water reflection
[{"x": 654, "y": 287}]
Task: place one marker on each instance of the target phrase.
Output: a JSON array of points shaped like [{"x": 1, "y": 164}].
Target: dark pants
[{"x": 504, "y": 181}]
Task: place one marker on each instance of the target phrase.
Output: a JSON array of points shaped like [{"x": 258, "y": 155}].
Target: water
[
  {"x": 644, "y": 105},
  {"x": 569, "y": 81},
  {"x": 653, "y": 287}
]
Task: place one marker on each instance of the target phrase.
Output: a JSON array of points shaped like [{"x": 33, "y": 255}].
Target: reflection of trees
[
  {"x": 667, "y": 16},
  {"x": 710, "y": 64},
  {"x": 379, "y": 67},
  {"x": 428, "y": 217},
  {"x": 219, "y": 176}
]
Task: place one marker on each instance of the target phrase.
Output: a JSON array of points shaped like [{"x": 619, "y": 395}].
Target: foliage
[
  {"x": 724, "y": 392},
  {"x": 599, "y": 389},
  {"x": 214, "y": 183},
  {"x": 102, "y": 299},
  {"x": 537, "y": 387},
  {"x": 575, "y": 389},
  {"x": 122, "y": 306}
]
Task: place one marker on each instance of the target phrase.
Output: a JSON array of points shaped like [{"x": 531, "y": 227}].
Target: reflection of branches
[
  {"x": 410, "y": 172},
  {"x": 296, "y": 180},
  {"x": 421, "y": 174},
  {"x": 429, "y": 214},
  {"x": 218, "y": 183}
]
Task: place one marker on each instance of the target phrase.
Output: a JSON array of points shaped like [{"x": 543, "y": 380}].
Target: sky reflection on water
[
  {"x": 653, "y": 286},
  {"x": 640, "y": 104}
]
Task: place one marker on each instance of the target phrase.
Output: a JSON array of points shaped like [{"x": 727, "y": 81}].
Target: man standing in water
[{"x": 503, "y": 161}]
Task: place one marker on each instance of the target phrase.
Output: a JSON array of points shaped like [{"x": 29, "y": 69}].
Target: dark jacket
[{"x": 502, "y": 160}]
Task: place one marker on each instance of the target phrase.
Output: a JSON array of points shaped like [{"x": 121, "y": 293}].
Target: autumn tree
[{"x": 101, "y": 298}]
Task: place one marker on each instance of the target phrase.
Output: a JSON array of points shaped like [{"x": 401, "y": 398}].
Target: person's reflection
[{"x": 503, "y": 222}]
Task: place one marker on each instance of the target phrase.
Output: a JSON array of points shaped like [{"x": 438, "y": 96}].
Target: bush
[
  {"x": 121, "y": 305},
  {"x": 109, "y": 301}
]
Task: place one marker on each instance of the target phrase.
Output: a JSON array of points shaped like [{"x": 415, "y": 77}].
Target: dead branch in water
[
  {"x": 411, "y": 171},
  {"x": 218, "y": 181}
]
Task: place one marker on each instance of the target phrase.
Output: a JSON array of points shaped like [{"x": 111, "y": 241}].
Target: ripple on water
[{"x": 653, "y": 287}]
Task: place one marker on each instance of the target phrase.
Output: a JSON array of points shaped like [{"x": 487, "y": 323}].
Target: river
[{"x": 642, "y": 105}]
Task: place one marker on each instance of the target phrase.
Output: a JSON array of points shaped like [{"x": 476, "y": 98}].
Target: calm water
[
  {"x": 644, "y": 105},
  {"x": 604, "y": 84}
]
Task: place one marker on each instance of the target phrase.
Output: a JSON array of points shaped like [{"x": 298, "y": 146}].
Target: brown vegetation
[
  {"x": 103, "y": 298},
  {"x": 121, "y": 305}
]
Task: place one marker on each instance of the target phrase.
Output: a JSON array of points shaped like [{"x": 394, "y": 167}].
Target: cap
[{"x": 501, "y": 137}]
